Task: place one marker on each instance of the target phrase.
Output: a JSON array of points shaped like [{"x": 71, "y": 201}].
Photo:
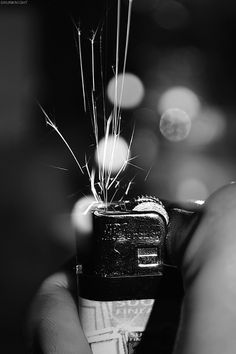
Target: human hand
[{"x": 208, "y": 267}]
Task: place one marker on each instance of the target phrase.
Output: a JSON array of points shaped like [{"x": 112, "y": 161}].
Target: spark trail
[
  {"x": 103, "y": 180},
  {"x": 112, "y": 124},
  {"x": 53, "y": 125},
  {"x": 81, "y": 68}
]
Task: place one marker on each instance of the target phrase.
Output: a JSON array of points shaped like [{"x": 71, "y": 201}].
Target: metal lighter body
[{"x": 119, "y": 280}]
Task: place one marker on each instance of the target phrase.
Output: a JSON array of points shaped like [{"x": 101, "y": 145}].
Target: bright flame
[
  {"x": 112, "y": 153},
  {"x": 133, "y": 90}
]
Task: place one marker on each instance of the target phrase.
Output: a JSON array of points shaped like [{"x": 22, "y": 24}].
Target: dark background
[{"x": 172, "y": 44}]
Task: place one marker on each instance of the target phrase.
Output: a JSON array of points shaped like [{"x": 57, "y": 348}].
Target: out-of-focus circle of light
[
  {"x": 175, "y": 125},
  {"x": 182, "y": 98},
  {"x": 145, "y": 138},
  {"x": 171, "y": 15},
  {"x": 133, "y": 90},
  {"x": 214, "y": 173},
  {"x": 112, "y": 154},
  {"x": 192, "y": 189},
  {"x": 81, "y": 218},
  {"x": 208, "y": 127}
]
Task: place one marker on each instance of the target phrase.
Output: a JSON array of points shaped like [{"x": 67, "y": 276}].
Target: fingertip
[
  {"x": 54, "y": 324},
  {"x": 222, "y": 203},
  {"x": 214, "y": 239}
]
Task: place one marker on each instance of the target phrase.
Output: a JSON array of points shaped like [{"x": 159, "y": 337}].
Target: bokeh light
[
  {"x": 209, "y": 126},
  {"x": 133, "y": 90},
  {"x": 171, "y": 15},
  {"x": 81, "y": 219},
  {"x": 175, "y": 125},
  {"x": 192, "y": 189},
  {"x": 199, "y": 173},
  {"x": 182, "y": 98},
  {"x": 112, "y": 153}
]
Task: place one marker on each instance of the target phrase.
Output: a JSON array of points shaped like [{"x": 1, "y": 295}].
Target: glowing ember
[{"x": 175, "y": 125}]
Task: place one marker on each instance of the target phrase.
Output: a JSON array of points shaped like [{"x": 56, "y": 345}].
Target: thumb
[{"x": 54, "y": 325}]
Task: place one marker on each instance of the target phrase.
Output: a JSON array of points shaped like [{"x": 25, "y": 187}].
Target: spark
[
  {"x": 53, "y": 125},
  {"x": 111, "y": 160},
  {"x": 95, "y": 123},
  {"x": 117, "y": 63},
  {"x": 136, "y": 166},
  {"x": 126, "y": 52},
  {"x": 116, "y": 250},
  {"x": 95, "y": 126},
  {"x": 131, "y": 164},
  {"x": 92, "y": 58},
  {"x": 104, "y": 157},
  {"x": 102, "y": 81},
  {"x": 108, "y": 186},
  {"x": 105, "y": 145},
  {"x": 94, "y": 33},
  {"x": 100, "y": 186},
  {"x": 59, "y": 168},
  {"x": 128, "y": 188},
  {"x": 87, "y": 168},
  {"x": 102, "y": 181},
  {"x": 117, "y": 184},
  {"x": 91, "y": 205},
  {"x": 131, "y": 140},
  {"x": 110, "y": 165},
  {"x": 148, "y": 173},
  {"x": 81, "y": 67},
  {"x": 114, "y": 195},
  {"x": 117, "y": 118},
  {"x": 92, "y": 185}
]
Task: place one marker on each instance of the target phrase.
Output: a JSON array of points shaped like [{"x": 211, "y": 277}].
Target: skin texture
[
  {"x": 54, "y": 322},
  {"x": 208, "y": 264},
  {"x": 208, "y": 320}
]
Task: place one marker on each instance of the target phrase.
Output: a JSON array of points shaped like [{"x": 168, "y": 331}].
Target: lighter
[{"x": 120, "y": 278}]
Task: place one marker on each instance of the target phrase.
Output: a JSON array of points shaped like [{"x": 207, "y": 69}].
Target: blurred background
[{"x": 179, "y": 93}]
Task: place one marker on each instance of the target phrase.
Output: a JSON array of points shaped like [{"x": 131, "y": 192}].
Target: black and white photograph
[{"x": 118, "y": 171}]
